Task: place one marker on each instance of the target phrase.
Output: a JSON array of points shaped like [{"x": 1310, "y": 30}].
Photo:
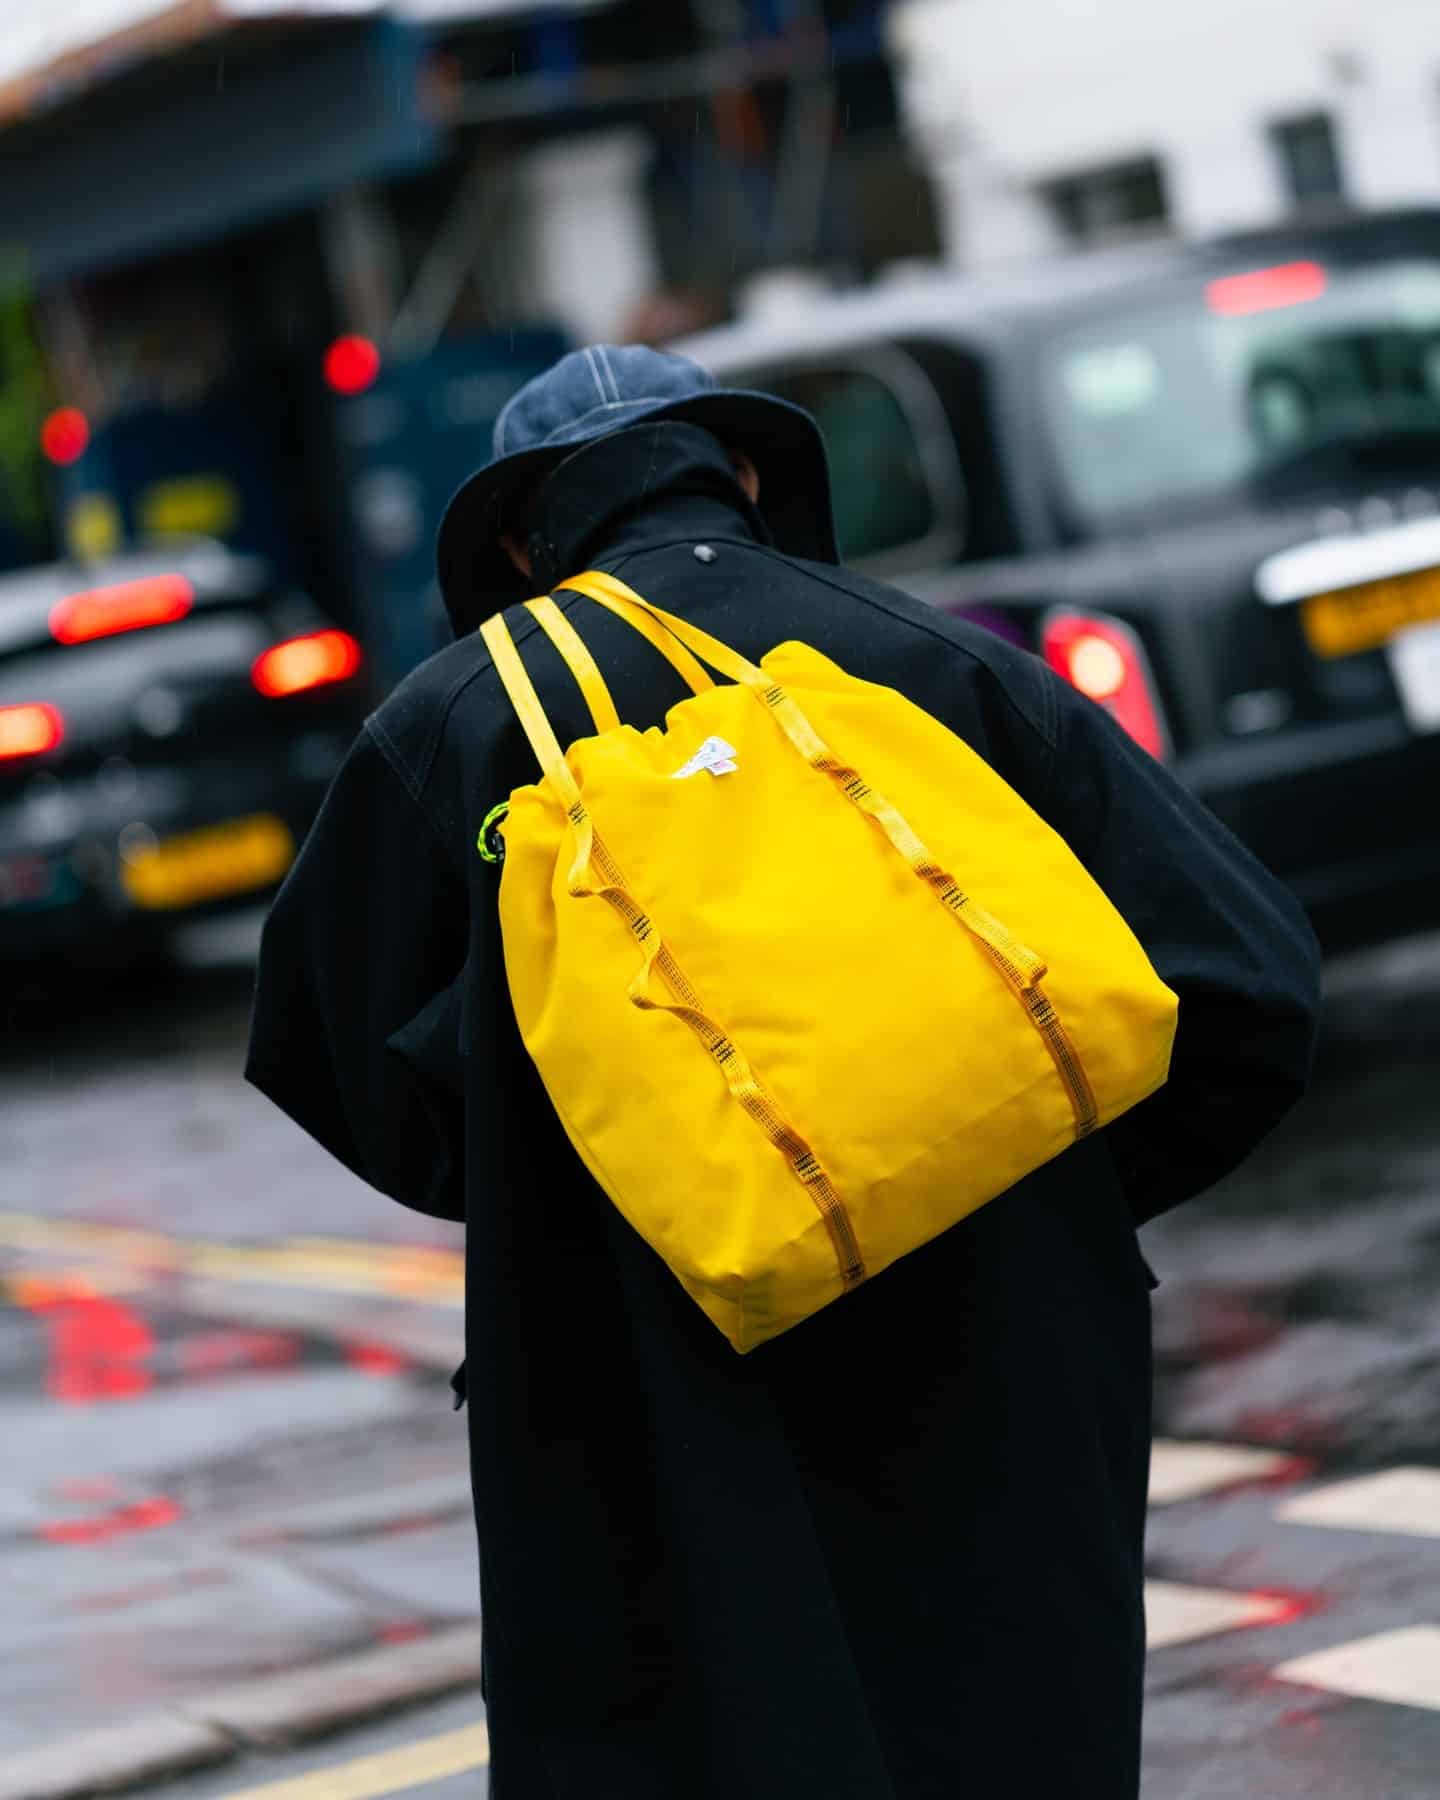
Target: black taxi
[
  {"x": 169, "y": 722},
  {"x": 1203, "y": 481}
]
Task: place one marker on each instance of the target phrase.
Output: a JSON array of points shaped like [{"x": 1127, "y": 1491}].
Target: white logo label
[{"x": 715, "y": 755}]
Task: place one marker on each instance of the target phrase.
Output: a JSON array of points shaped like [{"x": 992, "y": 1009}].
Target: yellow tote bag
[{"x": 806, "y": 981}]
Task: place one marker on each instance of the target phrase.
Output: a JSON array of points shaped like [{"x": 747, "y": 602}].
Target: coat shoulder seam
[
  {"x": 395, "y": 762},
  {"x": 415, "y": 779},
  {"x": 1045, "y": 731}
]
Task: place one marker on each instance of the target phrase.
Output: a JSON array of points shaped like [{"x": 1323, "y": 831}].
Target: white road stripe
[
  {"x": 1174, "y": 1613},
  {"x": 1400, "y": 1500},
  {"x": 1180, "y": 1471},
  {"x": 1401, "y": 1667}
]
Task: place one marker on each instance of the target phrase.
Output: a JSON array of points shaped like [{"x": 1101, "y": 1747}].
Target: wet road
[
  {"x": 230, "y": 1452},
  {"x": 224, "y": 1363}
]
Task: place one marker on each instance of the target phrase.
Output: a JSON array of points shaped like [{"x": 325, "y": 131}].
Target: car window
[
  {"x": 1258, "y": 373},
  {"x": 881, "y": 473}
]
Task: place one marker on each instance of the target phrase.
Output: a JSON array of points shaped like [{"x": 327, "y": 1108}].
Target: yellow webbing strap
[
  {"x": 581, "y": 664},
  {"x": 591, "y": 854},
  {"x": 597, "y": 586},
  {"x": 1019, "y": 965},
  {"x": 612, "y": 592},
  {"x": 744, "y": 1085},
  {"x": 530, "y": 712}
]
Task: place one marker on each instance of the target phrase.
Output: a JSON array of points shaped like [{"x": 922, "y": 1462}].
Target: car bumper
[
  {"x": 83, "y": 887},
  {"x": 1346, "y": 817}
]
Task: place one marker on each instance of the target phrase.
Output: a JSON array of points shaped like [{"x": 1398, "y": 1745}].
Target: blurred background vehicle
[
  {"x": 168, "y": 726},
  {"x": 301, "y": 351},
  {"x": 1062, "y": 393},
  {"x": 1203, "y": 482}
]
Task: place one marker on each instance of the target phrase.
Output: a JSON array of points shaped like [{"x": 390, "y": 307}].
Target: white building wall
[
  {"x": 1004, "y": 96},
  {"x": 583, "y": 235}
]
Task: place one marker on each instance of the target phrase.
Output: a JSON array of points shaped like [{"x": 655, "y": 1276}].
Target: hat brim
[{"x": 477, "y": 577}]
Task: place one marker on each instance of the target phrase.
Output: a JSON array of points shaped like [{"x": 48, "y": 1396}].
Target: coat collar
[{"x": 648, "y": 485}]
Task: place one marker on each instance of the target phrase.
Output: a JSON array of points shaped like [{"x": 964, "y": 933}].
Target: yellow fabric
[
  {"x": 890, "y": 1046},
  {"x": 563, "y": 635},
  {"x": 591, "y": 855},
  {"x": 1021, "y": 967}
]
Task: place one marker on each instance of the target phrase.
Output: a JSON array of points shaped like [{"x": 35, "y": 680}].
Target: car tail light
[
  {"x": 128, "y": 606},
  {"x": 1106, "y": 660},
  {"x": 1266, "y": 290},
  {"x": 300, "y": 663},
  {"x": 29, "y": 730}
]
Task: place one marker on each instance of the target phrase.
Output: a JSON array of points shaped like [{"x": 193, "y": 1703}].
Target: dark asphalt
[{"x": 231, "y": 1452}]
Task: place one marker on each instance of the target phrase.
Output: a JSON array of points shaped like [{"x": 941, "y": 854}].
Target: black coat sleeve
[
  {"x": 355, "y": 1032},
  {"x": 1219, "y": 929}
]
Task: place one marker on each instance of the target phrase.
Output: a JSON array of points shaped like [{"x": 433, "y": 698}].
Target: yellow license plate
[
  {"x": 233, "y": 858},
  {"x": 1365, "y": 617}
]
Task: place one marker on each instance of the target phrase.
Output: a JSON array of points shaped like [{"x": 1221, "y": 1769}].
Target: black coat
[{"x": 895, "y": 1554}]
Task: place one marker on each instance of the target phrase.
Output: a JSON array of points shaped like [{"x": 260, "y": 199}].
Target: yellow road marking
[
  {"x": 389, "y": 1772},
  {"x": 431, "y": 1277},
  {"x": 29, "y": 1290}
]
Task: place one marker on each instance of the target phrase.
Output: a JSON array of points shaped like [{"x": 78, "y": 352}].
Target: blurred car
[
  {"x": 1203, "y": 481},
  {"x": 168, "y": 725}
]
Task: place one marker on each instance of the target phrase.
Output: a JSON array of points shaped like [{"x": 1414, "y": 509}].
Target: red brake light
[
  {"x": 65, "y": 435},
  {"x": 29, "y": 730},
  {"x": 1104, "y": 659},
  {"x": 299, "y": 663},
  {"x": 351, "y": 364},
  {"x": 128, "y": 606},
  {"x": 1263, "y": 290}
]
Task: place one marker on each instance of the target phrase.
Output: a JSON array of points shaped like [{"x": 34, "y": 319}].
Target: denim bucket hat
[{"x": 603, "y": 389}]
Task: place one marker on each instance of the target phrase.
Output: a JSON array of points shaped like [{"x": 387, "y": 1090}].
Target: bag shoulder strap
[
  {"x": 531, "y": 714},
  {"x": 614, "y": 596},
  {"x": 567, "y": 640},
  {"x": 644, "y": 617}
]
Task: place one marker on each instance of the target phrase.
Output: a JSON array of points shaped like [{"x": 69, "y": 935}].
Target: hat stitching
[
  {"x": 608, "y": 406},
  {"x": 602, "y": 356},
  {"x": 595, "y": 374},
  {"x": 597, "y": 360}
]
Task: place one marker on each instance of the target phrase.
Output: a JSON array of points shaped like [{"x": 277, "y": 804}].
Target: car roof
[{"x": 987, "y": 308}]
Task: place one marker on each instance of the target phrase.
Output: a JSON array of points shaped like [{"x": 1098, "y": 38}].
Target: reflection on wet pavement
[
  {"x": 223, "y": 1369},
  {"x": 1300, "y": 1313},
  {"x": 223, "y": 1373},
  {"x": 1299, "y": 1300}
]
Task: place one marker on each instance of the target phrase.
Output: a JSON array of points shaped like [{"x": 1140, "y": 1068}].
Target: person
[{"x": 897, "y": 1553}]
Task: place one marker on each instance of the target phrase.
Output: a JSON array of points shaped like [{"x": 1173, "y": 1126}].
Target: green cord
[{"x": 489, "y": 843}]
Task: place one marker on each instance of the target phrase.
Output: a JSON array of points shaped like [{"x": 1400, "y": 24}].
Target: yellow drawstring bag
[{"x": 805, "y": 979}]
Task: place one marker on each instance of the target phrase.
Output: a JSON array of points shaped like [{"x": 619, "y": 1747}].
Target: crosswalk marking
[
  {"x": 1175, "y": 1613},
  {"x": 1405, "y": 1500},
  {"x": 387, "y": 1772},
  {"x": 1401, "y": 1667},
  {"x": 1183, "y": 1471}
]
